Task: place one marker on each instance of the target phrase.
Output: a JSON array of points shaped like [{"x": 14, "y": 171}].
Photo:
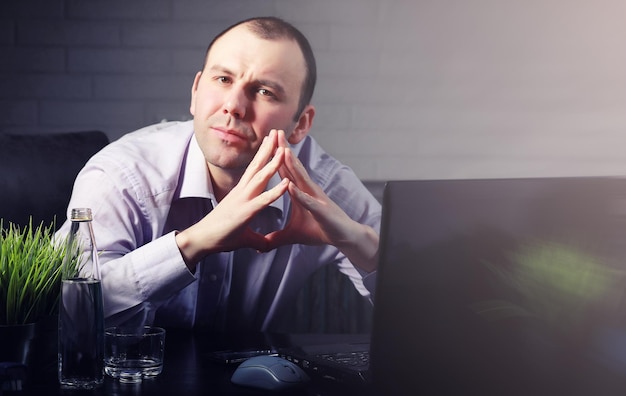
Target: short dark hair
[{"x": 272, "y": 28}]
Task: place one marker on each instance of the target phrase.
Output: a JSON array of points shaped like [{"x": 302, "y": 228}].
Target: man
[{"x": 219, "y": 222}]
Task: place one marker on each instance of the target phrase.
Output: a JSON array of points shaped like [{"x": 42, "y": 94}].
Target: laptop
[{"x": 494, "y": 286}]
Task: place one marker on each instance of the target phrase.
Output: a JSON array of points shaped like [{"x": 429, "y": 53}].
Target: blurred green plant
[
  {"x": 30, "y": 272},
  {"x": 560, "y": 284}
]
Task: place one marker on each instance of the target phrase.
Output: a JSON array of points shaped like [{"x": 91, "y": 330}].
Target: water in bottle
[{"x": 81, "y": 315}]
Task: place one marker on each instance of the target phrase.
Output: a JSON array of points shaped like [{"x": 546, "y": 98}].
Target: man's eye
[
  {"x": 265, "y": 92},
  {"x": 223, "y": 80}
]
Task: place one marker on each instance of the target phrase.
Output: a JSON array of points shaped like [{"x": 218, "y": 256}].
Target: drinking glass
[{"x": 132, "y": 354}]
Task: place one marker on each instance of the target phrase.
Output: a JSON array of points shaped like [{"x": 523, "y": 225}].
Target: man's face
[{"x": 248, "y": 87}]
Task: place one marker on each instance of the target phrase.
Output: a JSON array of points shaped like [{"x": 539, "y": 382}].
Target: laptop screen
[{"x": 507, "y": 286}]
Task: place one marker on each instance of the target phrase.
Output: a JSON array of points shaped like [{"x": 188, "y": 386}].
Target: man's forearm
[{"x": 362, "y": 247}]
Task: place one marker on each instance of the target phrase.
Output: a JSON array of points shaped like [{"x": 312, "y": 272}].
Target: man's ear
[
  {"x": 303, "y": 125},
  {"x": 194, "y": 90}
]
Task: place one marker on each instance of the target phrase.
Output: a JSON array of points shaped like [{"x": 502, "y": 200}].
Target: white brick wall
[{"x": 407, "y": 88}]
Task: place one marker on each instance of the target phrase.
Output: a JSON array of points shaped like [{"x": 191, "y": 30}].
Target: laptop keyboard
[{"x": 352, "y": 359}]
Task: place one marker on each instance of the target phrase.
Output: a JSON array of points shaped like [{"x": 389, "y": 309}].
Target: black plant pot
[
  {"x": 16, "y": 342},
  {"x": 32, "y": 344},
  {"x": 44, "y": 350}
]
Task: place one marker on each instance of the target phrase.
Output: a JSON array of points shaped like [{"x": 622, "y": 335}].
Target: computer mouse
[{"x": 270, "y": 373}]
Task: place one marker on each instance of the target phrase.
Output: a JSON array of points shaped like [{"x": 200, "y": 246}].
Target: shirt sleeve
[{"x": 140, "y": 268}]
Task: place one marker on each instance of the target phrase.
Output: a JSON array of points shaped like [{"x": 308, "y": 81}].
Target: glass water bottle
[{"x": 81, "y": 315}]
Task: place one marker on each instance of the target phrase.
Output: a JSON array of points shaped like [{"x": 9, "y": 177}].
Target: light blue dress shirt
[{"x": 154, "y": 181}]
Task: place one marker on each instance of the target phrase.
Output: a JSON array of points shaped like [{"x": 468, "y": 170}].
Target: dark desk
[{"x": 188, "y": 370}]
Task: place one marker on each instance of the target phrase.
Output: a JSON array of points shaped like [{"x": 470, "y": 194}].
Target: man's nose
[{"x": 235, "y": 103}]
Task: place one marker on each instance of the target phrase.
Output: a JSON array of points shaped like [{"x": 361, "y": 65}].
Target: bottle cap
[{"x": 81, "y": 214}]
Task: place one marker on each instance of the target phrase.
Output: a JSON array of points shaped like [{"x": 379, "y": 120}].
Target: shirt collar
[
  {"x": 195, "y": 175},
  {"x": 196, "y": 181}
]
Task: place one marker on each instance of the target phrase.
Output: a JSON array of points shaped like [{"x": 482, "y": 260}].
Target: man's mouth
[{"x": 230, "y": 135}]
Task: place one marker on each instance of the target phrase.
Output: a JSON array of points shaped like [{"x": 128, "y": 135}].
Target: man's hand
[
  {"x": 315, "y": 219},
  {"x": 226, "y": 228}
]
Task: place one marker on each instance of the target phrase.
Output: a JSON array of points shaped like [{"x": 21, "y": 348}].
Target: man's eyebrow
[
  {"x": 223, "y": 69},
  {"x": 273, "y": 85}
]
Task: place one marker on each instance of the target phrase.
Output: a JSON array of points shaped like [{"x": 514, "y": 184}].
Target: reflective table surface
[{"x": 190, "y": 368}]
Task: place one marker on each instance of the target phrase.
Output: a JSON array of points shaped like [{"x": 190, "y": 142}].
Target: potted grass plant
[{"x": 30, "y": 285}]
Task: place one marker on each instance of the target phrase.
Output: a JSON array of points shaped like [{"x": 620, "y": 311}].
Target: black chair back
[{"x": 37, "y": 174}]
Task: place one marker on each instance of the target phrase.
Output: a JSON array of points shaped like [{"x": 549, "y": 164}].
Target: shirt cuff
[
  {"x": 369, "y": 281},
  {"x": 161, "y": 270}
]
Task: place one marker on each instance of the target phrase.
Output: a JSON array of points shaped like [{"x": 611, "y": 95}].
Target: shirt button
[{"x": 213, "y": 277}]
